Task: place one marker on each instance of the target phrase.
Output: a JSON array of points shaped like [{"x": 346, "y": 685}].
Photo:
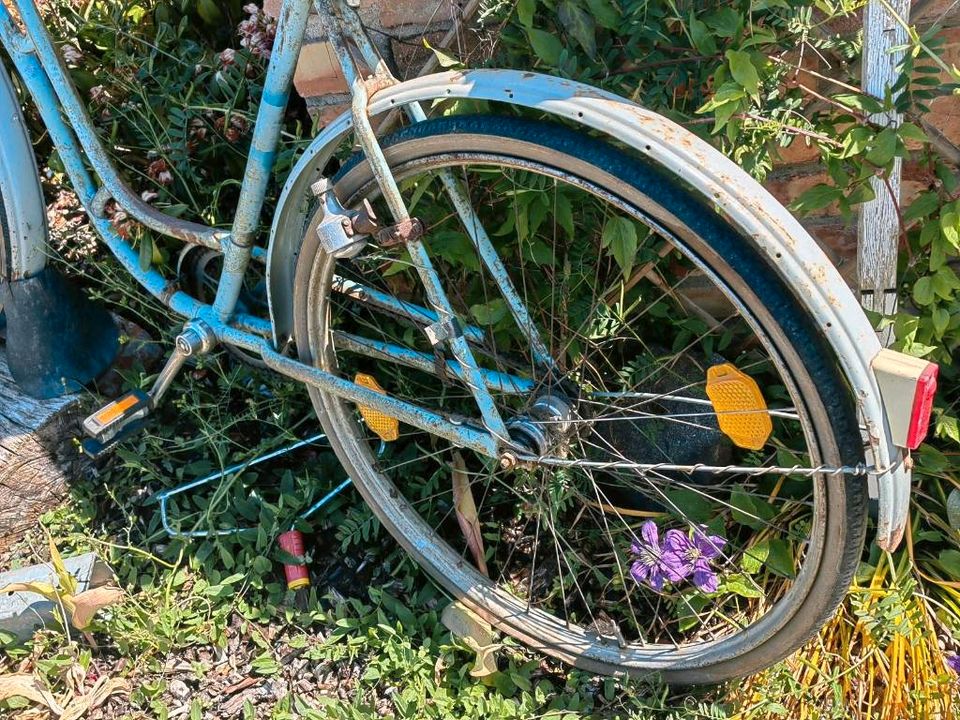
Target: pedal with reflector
[
  {"x": 741, "y": 410},
  {"x": 114, "y": 421},
  {"x": 385, "y": 426}
]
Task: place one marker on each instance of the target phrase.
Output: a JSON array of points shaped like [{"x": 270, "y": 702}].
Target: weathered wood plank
[
  {"x": 37, "y": 455},
  {"x": 878, "y": 225}
]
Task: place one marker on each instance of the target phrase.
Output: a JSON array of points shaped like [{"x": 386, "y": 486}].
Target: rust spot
[{"x": 169, "y": 290}]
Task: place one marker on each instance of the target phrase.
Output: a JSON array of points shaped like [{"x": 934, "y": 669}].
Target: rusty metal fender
[
  {"x": 744, "y": 202},
  {"x": 21, "y": 199}
]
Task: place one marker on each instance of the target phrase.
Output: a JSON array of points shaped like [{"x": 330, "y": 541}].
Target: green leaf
[
  {"x": 950, "y": 561},
  {"x": 950, "y": 228},
  {"x": 817, "y": 198},
  {"x": 563, "y": 213},
  {"x": 146, "y": 252},
  {"x": 884, "y": 147},
  {"x": 546, "y": 46},
  {"x": 909, "y": 131},
  {"x": 945, "y": 282},
  {"x": 923, "y": 291},
  {"x": 941, "y": 319},
  {"x": 490, "y": 313},
  {"x": 689, "y": 506},
  {"x": 925, "y": 204},
  {"x": 744, "y": 71},
  {"x": 620, "y": 239},
  {"x": 864, "y": 103},
  {"x": 750, "y": 511},
  {"x": 209, "y": 12},
  {"x": 739, "y": 585},
  {"x": 772, "y": 554},
  {"x": 702, "y": 37},
  {"x": 525, "y": 9},
  {"x": 580, "y": 24},
  {"x": 605, "y": 13},
  {"x": 725, "y": 22}
]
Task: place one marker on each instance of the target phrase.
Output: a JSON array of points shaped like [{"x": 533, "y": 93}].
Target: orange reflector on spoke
[
  {"x": 387, "y": 427},
  {"x": 740, "y": 407}
]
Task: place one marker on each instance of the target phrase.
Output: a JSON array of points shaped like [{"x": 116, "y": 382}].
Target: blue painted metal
[
  {"x": 493, "y": 379},
  {"x": 164, "y": 496},
  {"x": 353, "y": 29},
  {"x": 291, "y": 26},
  {"x": 375, "y": 298},
  {"x": 461, "y": 435},
  {"x": 38, "y": 44},
  {"x": 394, "y": 200}
]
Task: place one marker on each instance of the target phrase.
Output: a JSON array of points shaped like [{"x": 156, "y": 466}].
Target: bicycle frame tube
[{"x": 46, "y": 78}]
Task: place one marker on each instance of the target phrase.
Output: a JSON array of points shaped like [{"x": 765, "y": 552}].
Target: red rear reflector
[{"x": 922, "y": 406}]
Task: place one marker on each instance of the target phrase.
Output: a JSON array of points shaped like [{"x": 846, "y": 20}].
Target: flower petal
[
  {"x": 656, "y": 579},
  {"x": 704, "y": 578},
  {"x": 650, "y": 533},
  {"x": 675, "y": 566},
  {"x": 676, "y": 541},
  {"x": 639, "y": 571}
]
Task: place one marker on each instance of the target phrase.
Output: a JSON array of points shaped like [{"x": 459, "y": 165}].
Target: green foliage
[{"x": 723, "y": 68}]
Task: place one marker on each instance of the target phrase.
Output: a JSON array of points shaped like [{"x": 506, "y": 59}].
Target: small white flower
[
  {"x": 149, "y": 195},
  {"x": 251, "y": 9},
  {"x": 72, "y": 55}
]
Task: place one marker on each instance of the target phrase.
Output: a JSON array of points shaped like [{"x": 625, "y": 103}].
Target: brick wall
[{"x": 398, "y": 28}]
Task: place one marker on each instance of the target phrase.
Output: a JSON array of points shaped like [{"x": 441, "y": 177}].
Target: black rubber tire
[{"x": 735, "y": 260}]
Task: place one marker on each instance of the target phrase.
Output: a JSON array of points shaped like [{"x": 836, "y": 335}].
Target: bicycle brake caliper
[{"x": 342, "y": 232}]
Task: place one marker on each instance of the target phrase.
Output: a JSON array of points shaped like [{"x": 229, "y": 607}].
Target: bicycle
[{"x": 630, "y": 503}]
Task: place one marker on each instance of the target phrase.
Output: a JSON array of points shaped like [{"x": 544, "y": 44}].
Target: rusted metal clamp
[{"x": 405, "y": 231}]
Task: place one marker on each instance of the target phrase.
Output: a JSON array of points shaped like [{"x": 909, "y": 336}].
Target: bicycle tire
[{"x": 743, "y": 270}]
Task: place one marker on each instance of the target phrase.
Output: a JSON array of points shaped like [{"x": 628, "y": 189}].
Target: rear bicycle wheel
[{"x": 638, "y": 290}]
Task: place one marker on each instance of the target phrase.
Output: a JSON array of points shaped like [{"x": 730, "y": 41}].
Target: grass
[{"x": 207, "y": 628}]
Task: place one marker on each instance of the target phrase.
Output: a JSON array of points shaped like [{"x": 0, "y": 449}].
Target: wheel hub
[{"x": 545, "y": 428}]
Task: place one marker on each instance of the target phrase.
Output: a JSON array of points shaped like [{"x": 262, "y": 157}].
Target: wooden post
[
  {"x": 878, "y": 226},
  {"x": 37, "y": 455}
]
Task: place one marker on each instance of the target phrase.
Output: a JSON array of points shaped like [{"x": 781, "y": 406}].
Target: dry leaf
[
  {"x": 88, "y": 602},
  {"x": 99, "y": 693},
  {"x": 29, "y": 687},
  {"x": 46, "y": 590},
  {"x": 40, "y": 588},
  {"x": 476, "y": 633},
  {"x": 467, "y": 512}
]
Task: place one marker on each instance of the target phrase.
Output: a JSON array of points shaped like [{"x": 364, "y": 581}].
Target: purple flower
[
  {"x": 649, "y": 565},
  {"x": 685, "y": 555},
  {"x": 953, "y": 662}
]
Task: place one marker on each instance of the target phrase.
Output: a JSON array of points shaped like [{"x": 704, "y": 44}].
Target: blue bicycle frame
[{"x": 46, "y": 78}]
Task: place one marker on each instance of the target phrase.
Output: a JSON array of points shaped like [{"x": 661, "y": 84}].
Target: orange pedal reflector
[
  {"x": 740, "y": 407},
  {"x": 387, "y": 427}
]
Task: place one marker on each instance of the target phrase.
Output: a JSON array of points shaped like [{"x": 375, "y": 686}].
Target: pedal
[
  {"x": 109, "y": 421},
  {"x": 93, "y": 448}
]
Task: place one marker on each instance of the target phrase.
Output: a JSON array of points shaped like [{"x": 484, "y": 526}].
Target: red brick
[{"x": 318, "y": 72}]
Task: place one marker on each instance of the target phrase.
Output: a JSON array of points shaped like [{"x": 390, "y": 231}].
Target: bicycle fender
[
  {"x": 24, "y": 218},
  {"x": 750, "y": 207}
]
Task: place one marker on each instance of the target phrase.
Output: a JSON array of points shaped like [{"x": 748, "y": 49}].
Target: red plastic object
[
  {"x": 922, "y": 406},
  {"x": 297, "y": 575}
]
